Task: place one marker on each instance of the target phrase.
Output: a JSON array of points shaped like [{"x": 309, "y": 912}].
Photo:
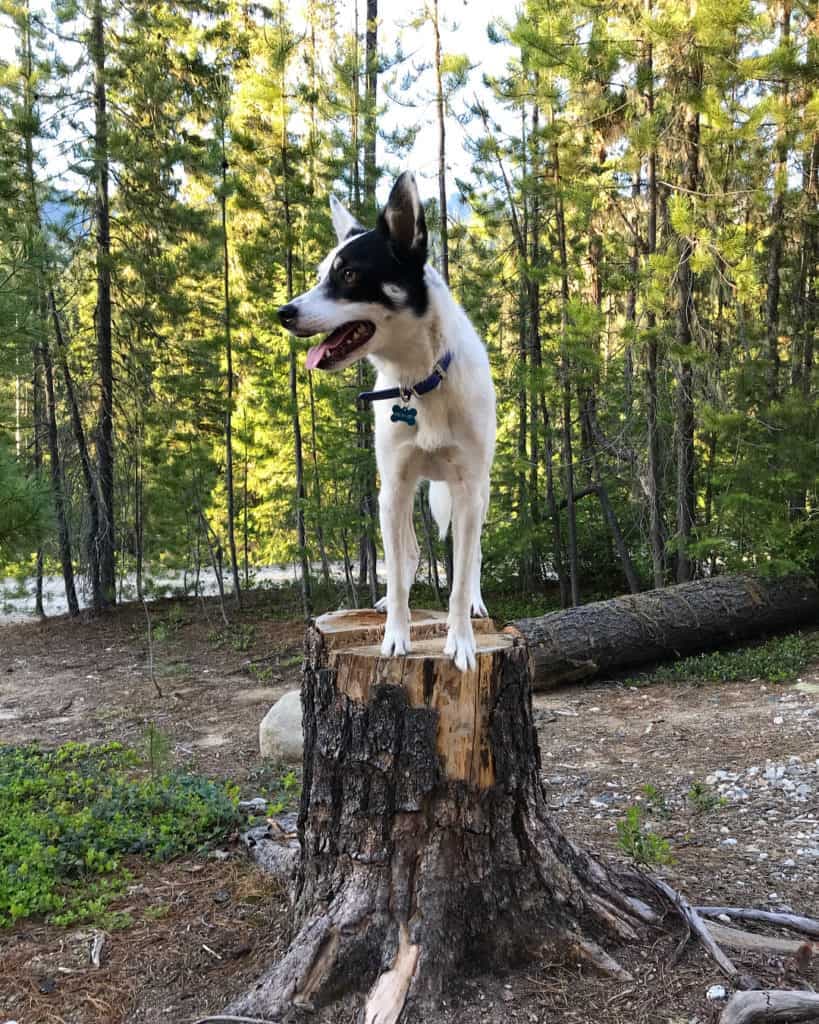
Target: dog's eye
[{"x": 349, "y": 276}]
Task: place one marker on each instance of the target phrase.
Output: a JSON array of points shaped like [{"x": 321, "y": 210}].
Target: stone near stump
[{"x": 280, "y": 733}]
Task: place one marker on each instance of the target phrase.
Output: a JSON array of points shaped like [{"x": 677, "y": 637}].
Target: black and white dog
[{"x": 434, "y": 400}]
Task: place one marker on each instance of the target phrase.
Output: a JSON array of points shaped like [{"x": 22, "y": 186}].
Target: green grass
[
  {"x": 778, "y": 660},
  {"x": 71, "y": 815}
]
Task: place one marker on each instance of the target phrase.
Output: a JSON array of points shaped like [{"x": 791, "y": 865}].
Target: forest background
[{"x": 625, "y": 203}]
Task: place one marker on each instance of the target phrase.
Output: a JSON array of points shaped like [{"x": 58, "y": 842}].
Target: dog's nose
[{"x": 288, "y": 315}]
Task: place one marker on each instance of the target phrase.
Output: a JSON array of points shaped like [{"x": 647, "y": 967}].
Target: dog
[{"x": 434, "y": 402}]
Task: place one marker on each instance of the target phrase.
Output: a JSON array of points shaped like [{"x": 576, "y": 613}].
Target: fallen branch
[
  {"x": 696, "y": 925},
  {"x": 805, "y": 925},
  {"x": 233, "y": 1020},
  {"x": 779, "y": 1006},
  {"x": 737, "y": 938}
]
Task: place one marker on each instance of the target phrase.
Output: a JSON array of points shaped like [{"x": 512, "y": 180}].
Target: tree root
[
  {"x": 737, "y": 938},
  {"x": 388, "y": 995},
  {"x": 779, "y": 1006},
  {"x": 696, "y": 924},
  {"x": 805, "y": 925},
  {"x": 222, "y": 1019},
  {"x": 589, "y": 952}
]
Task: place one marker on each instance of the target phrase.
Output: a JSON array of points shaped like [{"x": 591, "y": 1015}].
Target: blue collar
[{"x": 423, "y": 387}]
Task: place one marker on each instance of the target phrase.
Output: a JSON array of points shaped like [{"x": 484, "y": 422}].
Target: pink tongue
[{"x": 316, "y": 354}]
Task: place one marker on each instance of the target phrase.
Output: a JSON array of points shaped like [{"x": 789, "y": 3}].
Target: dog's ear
[
  {"x": 402, "y": 219},
  {"x": 343, "y": 221}
]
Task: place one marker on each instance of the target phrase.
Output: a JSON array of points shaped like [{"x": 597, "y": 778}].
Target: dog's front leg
[
  {"x": 395, "y": 510},
  {"x": 467, "y": 517}
]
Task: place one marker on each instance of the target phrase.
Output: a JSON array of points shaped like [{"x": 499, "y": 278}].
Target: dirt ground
[{"x": 732, "y": 771}]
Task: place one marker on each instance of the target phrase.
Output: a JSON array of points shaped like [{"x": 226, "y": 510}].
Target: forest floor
[{"x": 728, "y": 774}]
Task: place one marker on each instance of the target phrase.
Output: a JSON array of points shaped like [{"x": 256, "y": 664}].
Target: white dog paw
[
  {"x": 396, "y": 641},
  {"x": 381, "y": 605},
  {"x": 478, "y": 608},
  {"x": 460, "y": 646}
]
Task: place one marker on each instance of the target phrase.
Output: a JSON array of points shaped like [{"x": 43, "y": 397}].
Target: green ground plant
[
  {"x": 642, "y": 845},
  {"x": 702, "y": 799},
  {"x": 778, "y": 660},
  {"x": 239, "y": 637},
  {"x": 655, "y": 800},
  {"x": 72, "y": 815}
]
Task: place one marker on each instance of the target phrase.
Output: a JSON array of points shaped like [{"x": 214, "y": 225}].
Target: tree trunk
[
  {"x": 426, "y": 842},
  {"x": 92, "y": 539},
  {"x": 607, "y": 636},
  {"x": 301, "y": 532},
  {"x": 371, "y": 104},
  {"x": 441, "y": 113},
  {"x": 105, "y": 427},
  {"x": 368, "y": 504},
  {"x": 37, "y": 423},
  {"x": 37, "y": 256},
  {"x": 429, "y": 534},
  {"x": 776, "y": 244},
  {"x": 600, "y": 489},
  {"x": 568, "y": 457},
  {"x": 231, "y": 509},
  {"x": 655, "y": 516},
  {"x": 325, "y": 562},
  {"x": 57, "y": 485},
  {"x": 684, "y": 399}
]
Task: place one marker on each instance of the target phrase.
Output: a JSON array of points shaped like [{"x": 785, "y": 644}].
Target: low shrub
[{"x": 72, "y": 814}]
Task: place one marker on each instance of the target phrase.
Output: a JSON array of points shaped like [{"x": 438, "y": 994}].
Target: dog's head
[{"x": 366, "y": 283}]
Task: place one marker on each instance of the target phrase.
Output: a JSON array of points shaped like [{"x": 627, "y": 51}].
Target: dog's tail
[{"x": 440, "y": 503}]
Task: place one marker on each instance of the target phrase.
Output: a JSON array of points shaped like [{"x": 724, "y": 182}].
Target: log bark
[
  {"x": 775, "y": 1005},
  {"x": 580, "y": 643},
  {"x": 426, "y": 843}
]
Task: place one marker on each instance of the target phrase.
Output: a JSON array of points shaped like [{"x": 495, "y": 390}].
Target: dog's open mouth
[{"x": 339, "y": 344}]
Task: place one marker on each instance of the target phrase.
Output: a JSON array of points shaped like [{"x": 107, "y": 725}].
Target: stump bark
[
  {"x": 579, "y": 643},
  {"x": 426, "y": 843}
]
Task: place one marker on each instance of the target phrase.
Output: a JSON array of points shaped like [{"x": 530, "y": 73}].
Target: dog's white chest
[{"x": 421, "y": 423}]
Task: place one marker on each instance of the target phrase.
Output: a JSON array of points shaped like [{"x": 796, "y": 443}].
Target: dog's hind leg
[
  {"x": 411, "y": 560},
  {"x": 468, "y": 507},
  {"x": 400, "y": 553},
  {"x": 477, "y": 607}
]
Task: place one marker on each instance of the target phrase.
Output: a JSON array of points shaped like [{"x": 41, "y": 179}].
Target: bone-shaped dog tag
[{"x": 403, "y": 414}]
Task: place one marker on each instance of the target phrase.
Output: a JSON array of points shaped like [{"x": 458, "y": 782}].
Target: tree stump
[{"x": 426, "y": 843}]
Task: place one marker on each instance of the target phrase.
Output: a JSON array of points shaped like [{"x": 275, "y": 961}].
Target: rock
[
  {"x": 280, "y": 732},
  {"x": 716, "y": 992},
  {"x": 274, "y": 852},
  {"x": 258, "y": 805}
]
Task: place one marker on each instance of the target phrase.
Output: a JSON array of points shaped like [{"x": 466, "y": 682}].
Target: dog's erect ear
[
  {"x": 402, "y": 219},
  {"x": 343, "y": 221}
]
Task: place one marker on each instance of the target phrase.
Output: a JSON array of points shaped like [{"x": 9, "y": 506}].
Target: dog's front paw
[
  {"x": 381, "y": 605},
  {"x": 460, "y": 646},
  {"x": 396, "y": 641}
]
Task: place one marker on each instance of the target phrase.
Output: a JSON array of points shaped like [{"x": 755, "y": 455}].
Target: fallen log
[
  {"x": 773, "y": 1005},
  {"x": 580, "y": 643}
]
